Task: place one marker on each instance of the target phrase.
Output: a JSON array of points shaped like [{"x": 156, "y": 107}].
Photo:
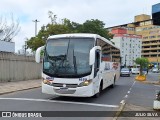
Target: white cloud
[{"x": 112, "y": 12}]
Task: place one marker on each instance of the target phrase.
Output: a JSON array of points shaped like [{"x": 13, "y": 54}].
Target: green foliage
[
  {"x": 143, "y": 62},
  {"x": 95, "y": 26},
  {"x": 42, "y": 53},
  {"x": 134, "y": 66},
  {"x": 66, "y": 26},
  {"x": 35, "y": 42}
]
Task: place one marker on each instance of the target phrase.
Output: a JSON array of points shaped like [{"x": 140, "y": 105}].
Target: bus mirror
[
  {"x": 38, "y": 54},
  {"x": 92, "y": 54}
]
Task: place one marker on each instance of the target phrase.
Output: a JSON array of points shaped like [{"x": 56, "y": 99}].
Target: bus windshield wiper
[{"x": 74, "y": 62}]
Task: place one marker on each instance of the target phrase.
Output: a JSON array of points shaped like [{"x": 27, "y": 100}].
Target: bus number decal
[{"x": 82, "y": 79}]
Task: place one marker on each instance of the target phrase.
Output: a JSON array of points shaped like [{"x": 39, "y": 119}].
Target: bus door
[{"x": 97, "y": 73}]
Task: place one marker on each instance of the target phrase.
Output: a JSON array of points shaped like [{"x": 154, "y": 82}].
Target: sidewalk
[
  {"x": 131, "y": 108},
  {"x": 9, "y": 87}
]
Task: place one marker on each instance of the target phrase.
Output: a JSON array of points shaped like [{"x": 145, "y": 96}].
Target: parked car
[
  {"x": 145, "y": 71},
  {"x": 125, "y": 72},
  {"x": 155, "y": 70},
  {"x": 135, "y": 70}
]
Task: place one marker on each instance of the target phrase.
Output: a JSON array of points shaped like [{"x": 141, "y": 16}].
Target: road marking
[
  {"x": 122, "y": 102},
  {"x": 64, "y": 102},
  {"x": 133, "y": 84},
  {"x": 128, "y": 92},
  {"x": 157, "y": 85},
  {"x": 126, "y": 96}
]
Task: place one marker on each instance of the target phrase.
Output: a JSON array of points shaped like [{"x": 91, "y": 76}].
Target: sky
[{"x": 111, "y": 12}]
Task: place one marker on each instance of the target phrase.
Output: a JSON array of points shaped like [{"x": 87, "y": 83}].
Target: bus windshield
[{"x": 67, "y": 57}]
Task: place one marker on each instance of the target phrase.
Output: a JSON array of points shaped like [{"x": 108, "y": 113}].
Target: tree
[
  {"x": 52, "y": 16},
  {"x": 66, "y": 26},
  {"x": 34, "y": 43},
  {"x": 8, "y": 30},
  {"x": 143, "y": 62},
  {"x": 96, "y": 26}
]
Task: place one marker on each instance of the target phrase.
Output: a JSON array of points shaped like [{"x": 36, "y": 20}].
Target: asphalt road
[
  {"x": 153, "y": 76},
  {"x": 126, "y": 90},
  {"x": 144, "y": 94}
]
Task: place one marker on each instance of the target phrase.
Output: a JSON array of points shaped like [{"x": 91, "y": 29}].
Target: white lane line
[
  {"x": 126, "y": 96},
  {"x": 128, "y": 92},
  {"x": 157, "y": 85},
  {"x": 133, "y": 84},
  {"x": 64, "y": 102},
  {"x": 122, "y": 101}
]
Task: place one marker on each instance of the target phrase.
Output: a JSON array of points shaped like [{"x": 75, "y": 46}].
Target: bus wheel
[
  {"x": 113, "y": 85},
  {"x": 100, "y": 90}
]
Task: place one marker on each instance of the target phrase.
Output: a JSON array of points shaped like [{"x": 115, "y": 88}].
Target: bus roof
[{"x": 87, "y": 35}]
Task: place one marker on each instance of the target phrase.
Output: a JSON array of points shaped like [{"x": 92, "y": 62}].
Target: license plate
[{"x": 63, "y": 89}]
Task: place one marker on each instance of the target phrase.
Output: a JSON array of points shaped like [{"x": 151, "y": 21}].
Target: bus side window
[{"x": 97, "y": 62}]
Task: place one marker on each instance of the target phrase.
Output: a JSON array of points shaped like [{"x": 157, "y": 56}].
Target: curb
[
  {"x": 150, "y": 82},
  {"x": 119, "y": 110},
  {"x": 20, "y": 90}
]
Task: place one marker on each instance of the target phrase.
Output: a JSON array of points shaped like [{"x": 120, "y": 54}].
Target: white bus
[{"x": 79, "y": 65}]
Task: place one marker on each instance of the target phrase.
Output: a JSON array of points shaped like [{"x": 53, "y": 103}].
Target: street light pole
[
  {"x": 35, "y": 26},
  {"x": 125, "y": 60}
]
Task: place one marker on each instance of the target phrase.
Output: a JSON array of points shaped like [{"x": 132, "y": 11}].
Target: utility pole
[
  {"x": 36, "y": 26},
  {"x": 25, "y": 47},
  {"x": 125, "y": 60}
]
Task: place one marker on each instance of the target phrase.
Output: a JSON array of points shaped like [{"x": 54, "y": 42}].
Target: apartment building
[
  {"x": 129, "y": 44},
  {"x": 150, "y": 40},
  {"x": 149, "y": 29}
]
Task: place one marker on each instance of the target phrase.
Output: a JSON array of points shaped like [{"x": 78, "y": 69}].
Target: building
[
  {"x": 7, "y": 46},
  {"x": 150, "y": 40},
  {"x": 149, "y": 29},
  {"x": 129, "y": 44},
  {"x": 156, "y": 14}
]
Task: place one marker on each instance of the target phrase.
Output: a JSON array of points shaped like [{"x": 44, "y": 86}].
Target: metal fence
[{"x": 17, "y": 68}]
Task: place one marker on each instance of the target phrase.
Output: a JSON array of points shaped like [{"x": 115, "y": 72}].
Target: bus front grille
[
  {"x": 67, "y": 85},
  {"x": 65, "y": 92}
]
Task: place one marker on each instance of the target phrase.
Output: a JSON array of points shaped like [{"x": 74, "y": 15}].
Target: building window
[
  {"x": 147, "y": 22},
  {"x": 144, "y": 38},
  {"x": 142, "y": 24},
  {"x": 138, "y": 29},
  {"x": 152, "y": 36}
]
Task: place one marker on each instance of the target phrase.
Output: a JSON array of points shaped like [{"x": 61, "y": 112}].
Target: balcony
[
  {"x": 153, "y": 39},
  {"x": 116, "y": 55},
  {"x": 116, "y": 59},
  {"x": 155, "y": 48},
  {"x": 115, "y": 50},
  {"x": 149, "y": 44},
  {"x": 151, "y": 53}
]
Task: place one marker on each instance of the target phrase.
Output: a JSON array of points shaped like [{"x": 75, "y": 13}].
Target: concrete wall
[{"x": 16, "y": 68}]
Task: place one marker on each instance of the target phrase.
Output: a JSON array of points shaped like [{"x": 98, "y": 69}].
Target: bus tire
[
  {"x": 100, "y": 90},
  {"x": 113, "y": 85}
]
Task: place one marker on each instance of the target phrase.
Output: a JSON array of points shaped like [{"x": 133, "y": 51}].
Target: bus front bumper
[{"x": 85, "y": 91}]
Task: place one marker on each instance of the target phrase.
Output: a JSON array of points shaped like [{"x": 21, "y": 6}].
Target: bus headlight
[
  {"x": 48, "y": 82},
  {"x": 85, "y": 83}
]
